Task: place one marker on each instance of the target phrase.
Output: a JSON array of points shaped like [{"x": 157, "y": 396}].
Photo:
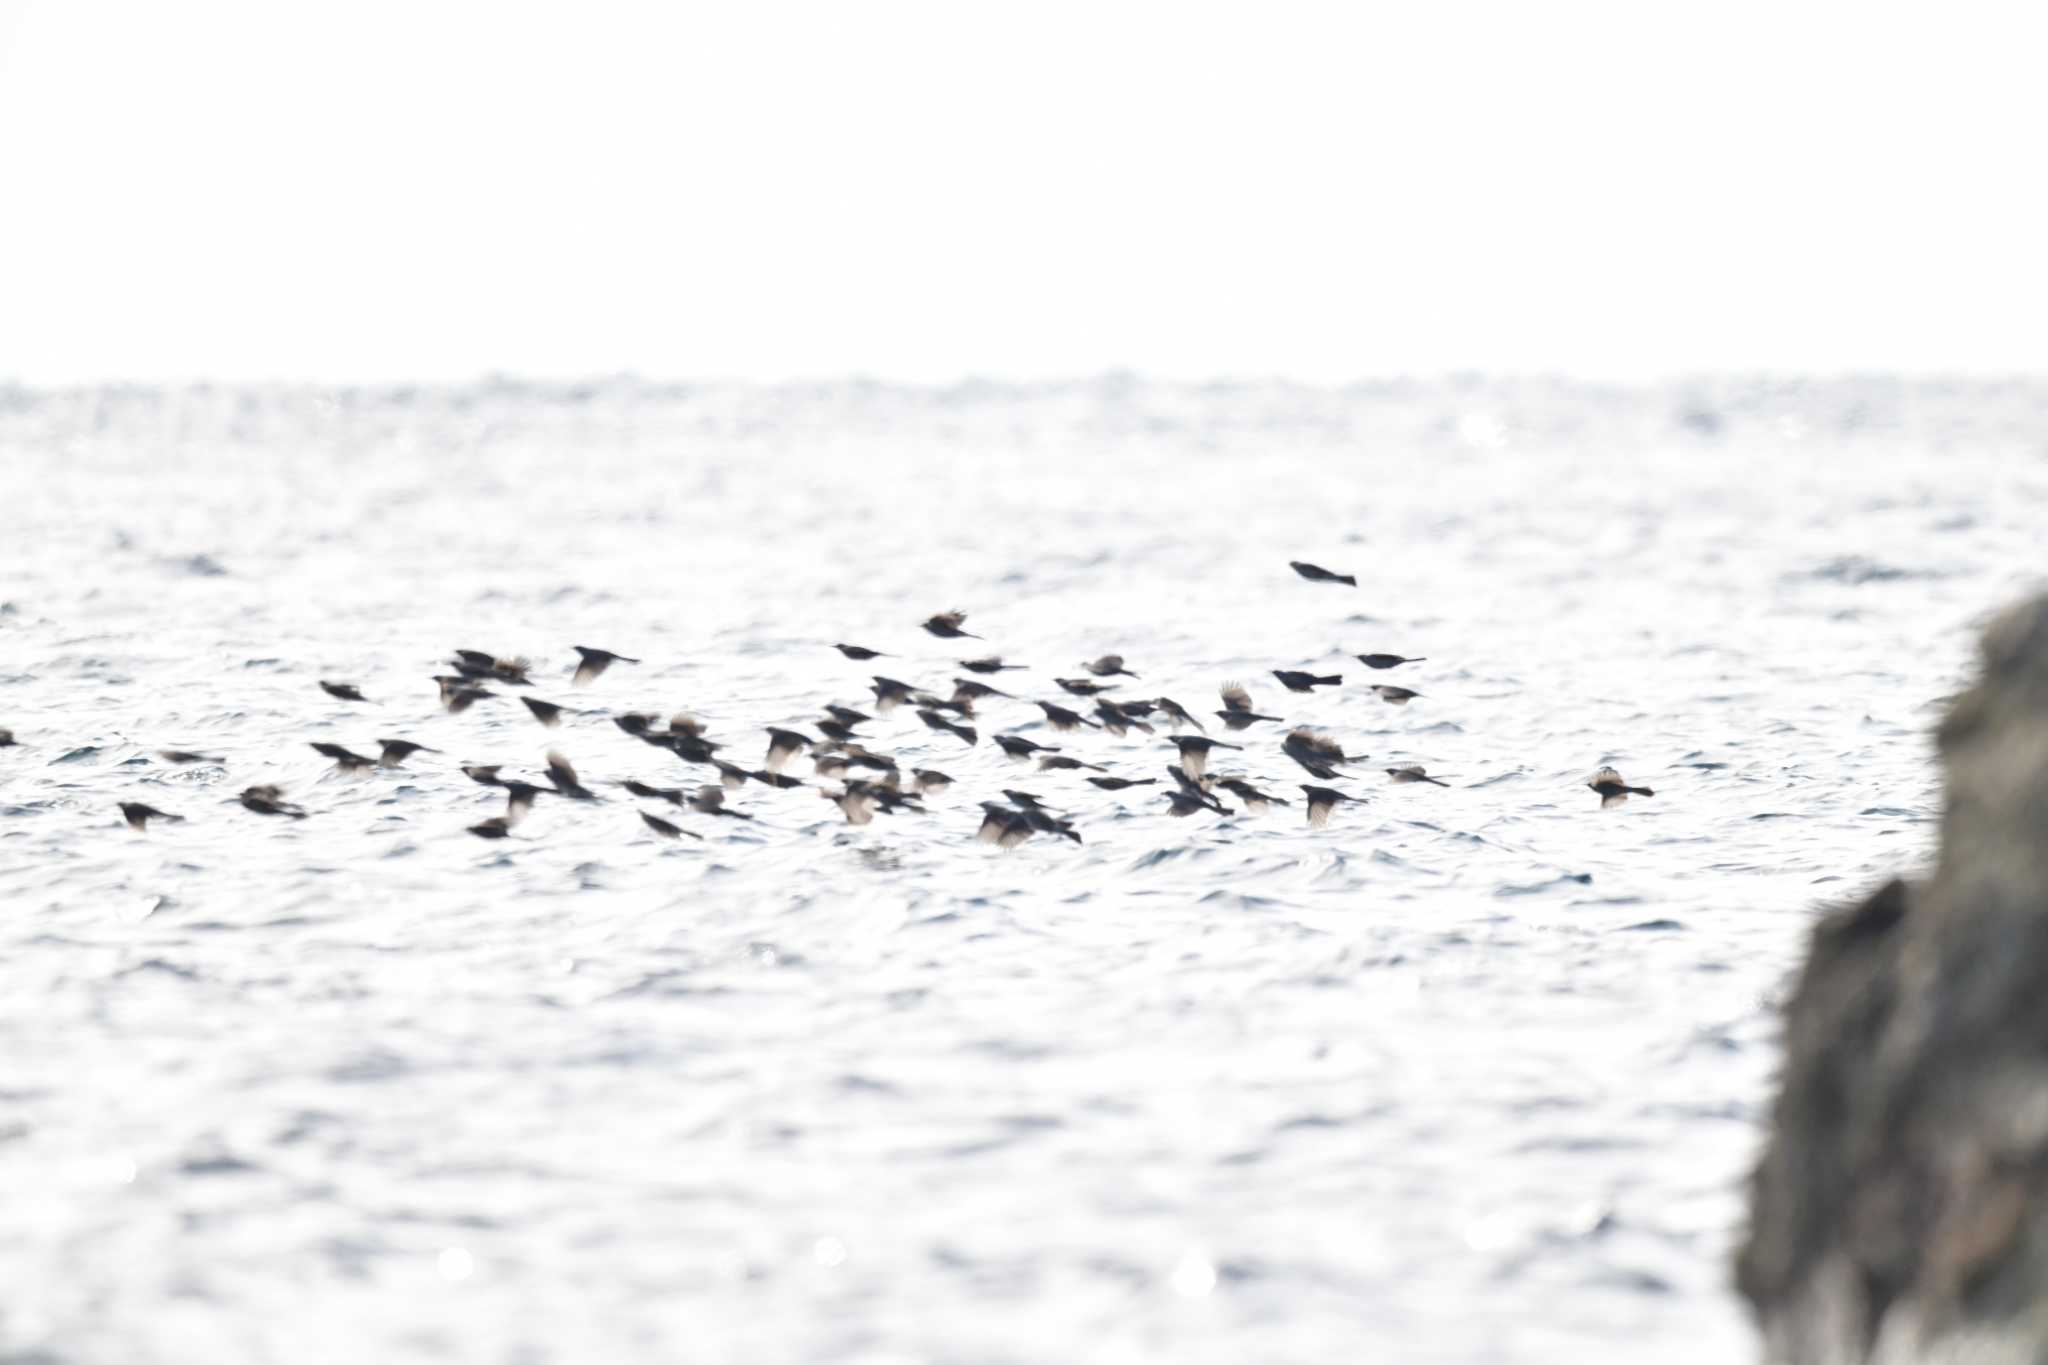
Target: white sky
[{"x": 280, "y": 189}]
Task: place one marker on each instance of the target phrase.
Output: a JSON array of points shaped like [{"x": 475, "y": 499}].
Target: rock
[{"x": 1900, "y": 1211}]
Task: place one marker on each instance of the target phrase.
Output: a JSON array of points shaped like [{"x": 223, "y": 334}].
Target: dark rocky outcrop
[{"x": 1900, "y": 1211}]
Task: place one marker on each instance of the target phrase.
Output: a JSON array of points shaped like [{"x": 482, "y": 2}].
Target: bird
[
  {"x": 1413, "y": 772},
  {"x": 861, "y": 654},
  {"x": 1061, "y": 762},
  {"x": 477, "y": 663},
  {"x": 546, "y": 712},
  {"x": 1316, "y": 574},
  {"x": 595, "y": 662},
  {"x": 835, "y": 730},
  {"x": 731, "y": 776},
  {"x": 497, "y": 827},
  {"x": 890, "y": 693},
  {"x": 1186, "y": 802},
  {"x": 666, "y": 829},
  {"x": 1306, "y": 682},
  {"x": 968, "y": 690},
  {"x": 1002, "y": 826},
  {"x": 458, "y": 693},
  {"x": 780, "y": 780},
  {"x": 992, "y": 664},
  {"x": 1614, "y": 788},
  {"x": 1109, "y": 666},
  {"x": 1118, "y": 720},
  {"x": 519, "y": 799},
  {"x": 396, "y": 751},
  {"x": 930, "y": 780},
  {"x": 268, "y": 799},
  {"x": 1237, "y": 712},
  {"x": 139, "y": 815},
  {"x": 485, "y": 773},
  {"x": 1385, "y": 660},
  {"x": 1082, "y": 687},
  {"x": 564, "y": 777},
  {"x": 1021, "y": 748},
  {"x": 167, "y": 755},
  {"x": 345, "y": 759},
  {"x": 1194, "y": 751},
  {"x": 1117, "y": 784},
  {"x": 939, "y": 722},
  {"x": 1321, "y": 801},
  {"x": 1062, "y": 719},
  {"x": 342, "y": 691},
  {"x": 847, "y": 716},
  {"x": 1176, "y": 715},
  {"x": 1393, "y": 696},
  {"x": 857, "y": 803},
  {"x": 1255, "y": 801},
  {"x": 1319, "y": 754},
  {"x": 783, "y": 745},
  {"x": 6, "y": 738},
  {"x": 672, "y": 795},
  {"x": 711, "y": 801},
  {"x": 946, "y": 625}
]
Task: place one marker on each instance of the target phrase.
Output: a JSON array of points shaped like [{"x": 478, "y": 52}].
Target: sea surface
[{"x": 1473, "y": 1075}]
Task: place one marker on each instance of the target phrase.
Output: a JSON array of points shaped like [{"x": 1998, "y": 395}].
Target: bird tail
[
  {"x": 1642, "y": 791},
  {"x": 1346, "y": 578},
  {"x": 1332, "y": 681}
]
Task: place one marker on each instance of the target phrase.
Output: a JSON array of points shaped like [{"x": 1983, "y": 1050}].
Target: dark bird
[
  {"x": 860, "y": 655},
  {"x": 1021, "y": 749},
  {"x": 1082, "y": 687},
  {"x": 946, "y": 625},
  {"x": 1021, "y": 799},
  {"x": 1002, "y": 826},
  {"x": 731, "y": 776},
  {"x": 836, "y": 730},
  {"x": 1062, "y": 719},
  {"x": 1315, "y": 574},
  {"x": 890, "y": 693},
  {"x": 268, "y": 799},
  {"x": 138, "y": 816},
  {"x": 992, "y": 664},
  {"x": 711, "y": 801},
  {"x": 781, "y": 781},
  {"x": 1614, "y": 788},
  {"x": 1194, "y": 784},
  {"x": 1412, "y": 772},
  {"x": 638, "y": 723},
  {"x": 1321, "y": 801},
  {"x": 1185, "y": 802},
  {"x": 1044, "y": 822},
  {"x": 1237, "y": 712},
  {"x": 1194, "y": 751},
  {"x": 458, "y": 694},
  {"x": 1117, "y": 784},
  {"x": 595, "y": 662},
  {"x": 846, "y": 715},
  {"x": 1110, "y": 666},
  {"x": 939, "y": 722},
  {"x": 666, "y": 829},
  {"x": 672, "y": 795},
  {"x": 1255, "y": 801},
  {"x": 857, "y": 803},
  {"x": 783, "y": 745},
  {"x": 1393, "y": 696},
  {"x": 564, "y": 777},
  {"x": 475, "y": 663},
  {"x": 967, "y": 689},
  {"x": 1386, "y": 660},
  {"x": 167, "y": 755},
  {"x": 1118, "y": 720},
  {"x": 345, "y": 759},
  {"x": 497, "y": 827},
  {"x": 550, "y": 714},
  {"x": 1060, "y": 763},
  {"x": 519, "y": 799},
  {"x": 1176, "y": 715},
  {"x": 1319, "y": 754},
  {"x": 1306, "y": 682},
  {"x": 485, "y": 773},
  {"x": 396, "y": 751},
  {"x": 862, "y": 758},
  {"x": 6, "y": 738},
  {"x": 342, "y": 691},
  {"x": 930, "y": 780},
  {"x": 689, "y": 726}
]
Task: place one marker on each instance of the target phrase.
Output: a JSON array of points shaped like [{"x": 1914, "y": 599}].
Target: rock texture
[{"x": 1900, "y": 1212}]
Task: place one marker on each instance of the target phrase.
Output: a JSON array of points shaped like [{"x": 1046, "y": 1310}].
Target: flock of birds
[{"x": 868, "y": 782}]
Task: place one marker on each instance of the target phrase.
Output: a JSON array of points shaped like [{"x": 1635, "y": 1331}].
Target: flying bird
[
  {"x": 992, "y": 664},
  {"x": 342, "y": 691},
  {"x": 860, "y": 654},
  {"x": 1062, "y": 719},
  {"x": 1176, "y": 715},
  {"x": 6, "y": 738},
  {"x": 1082, "y": 687},
  {"x": 1306, "y": 682},
  {"x": 939, "y": 722},
  {"x": 783, "y": 745},
  {"x": 946, "y": 625},
  {"x": 1614, "y": 788},
  {"x": 458, "y": 693},
  {"x": 1386, "y": 660},
  {"x": 1393, "y": 696},
  {"x": 477, "y": 663},
  {"x": 1255, "y": 801},
  {"x": 711, "y": 801},
  {"x": 1413, "y": 772},
  {"x": 1321, "y": 801},
  {"x": 1317, "y": 574},
  {"x": 672, "y": 795},
  {"x": 345, "y": 759},
  {"x": 968, "y": 690},
  {"x": 889, "y": 693},
  {"x": 1002, "y": 826},
  {"x": 167, "y": 755},
  {"x": 1194, "y": 751},
  {"x": 595, "y": 662},
  {"x": 1237, "y": 712},
  {"x": 1118, "y": 720},
  {"x": 497, "y": 827},
  {"x": 268, "y": 799},
  {"x": 564, "y": 777},
  {"x": 549, "y": 713},
  {"x": 1021, "y": 748},
  {"x": 930, "y": 780},
  {"x": 396, "y": 751},
  {"x": 667, "y": 829},
  {"x": 1061, "y": 763},
  {"x": 1117, "y": 784},
  {"x": 139, "y": 815},
  {"x": 1319, "y": 754},
  {"x": 846, "y": 715},
  {"x": 1109, "y": 666}
]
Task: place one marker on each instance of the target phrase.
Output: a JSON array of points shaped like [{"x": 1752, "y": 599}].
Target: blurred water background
[{"x": 1472, "y": 1075}]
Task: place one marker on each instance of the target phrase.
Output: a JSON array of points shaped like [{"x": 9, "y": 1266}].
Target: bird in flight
[{"x": 1317, "y": 574}]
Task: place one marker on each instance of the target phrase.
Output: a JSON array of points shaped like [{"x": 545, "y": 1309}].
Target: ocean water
[{"x": 1474, "y": 1074}]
